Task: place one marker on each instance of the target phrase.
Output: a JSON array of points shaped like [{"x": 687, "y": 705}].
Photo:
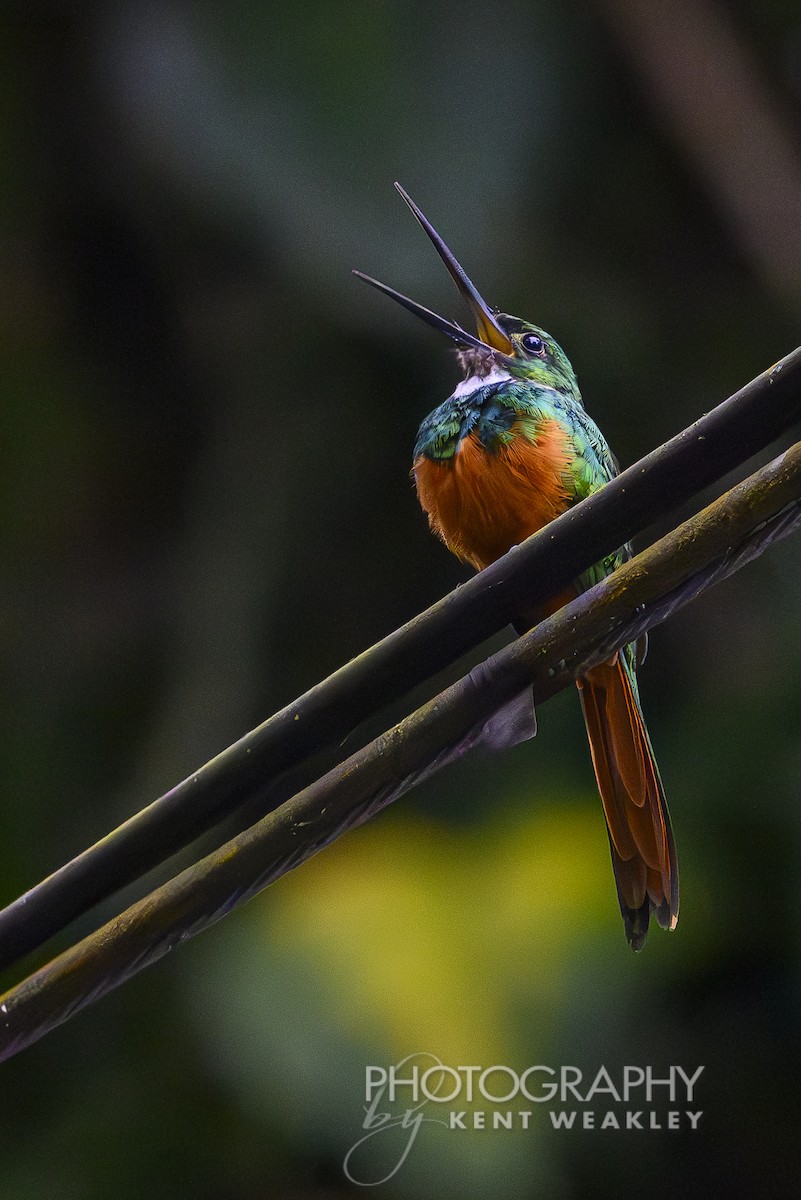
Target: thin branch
[
  {"x": 703, "y": 550},
  {"x": 530, "y": 575}
]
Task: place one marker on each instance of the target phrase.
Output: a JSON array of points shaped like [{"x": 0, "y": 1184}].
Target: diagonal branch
[
  {"x": 706, "y": 548},
  {"x": 542, "y": 567}
]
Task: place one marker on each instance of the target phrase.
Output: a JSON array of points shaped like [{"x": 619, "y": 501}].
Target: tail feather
[{"x": 637, "y": 818}]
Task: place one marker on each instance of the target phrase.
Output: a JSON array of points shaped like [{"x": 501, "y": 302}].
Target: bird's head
[{"x": 501, "y": 342}]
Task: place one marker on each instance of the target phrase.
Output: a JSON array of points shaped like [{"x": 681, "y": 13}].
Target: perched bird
[{"x": 508, "y": 451}]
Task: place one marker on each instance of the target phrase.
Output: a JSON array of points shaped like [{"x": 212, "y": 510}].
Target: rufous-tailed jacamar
[{"x": 508, "y": 451}]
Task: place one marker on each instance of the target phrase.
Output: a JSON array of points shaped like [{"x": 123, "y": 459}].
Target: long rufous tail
[{"x": 637, "y": 818}]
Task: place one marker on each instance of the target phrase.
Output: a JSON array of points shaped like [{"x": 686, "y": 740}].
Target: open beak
[{"x": 490, "y": 333}]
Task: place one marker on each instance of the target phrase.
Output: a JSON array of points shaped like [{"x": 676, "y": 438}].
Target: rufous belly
[{"x": 482, "y": 502}]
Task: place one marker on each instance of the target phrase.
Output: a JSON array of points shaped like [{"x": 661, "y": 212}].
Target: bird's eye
[{"x": 533, "y": 344}]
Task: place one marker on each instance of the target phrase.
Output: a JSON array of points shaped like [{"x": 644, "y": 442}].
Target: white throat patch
[{"x": 474, "y": 382}]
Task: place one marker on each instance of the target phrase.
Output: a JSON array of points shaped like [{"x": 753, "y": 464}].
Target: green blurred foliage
[{"x": 205, "y": 508}]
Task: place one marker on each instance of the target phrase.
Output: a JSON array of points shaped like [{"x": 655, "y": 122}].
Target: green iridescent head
[
  {"x": 501, "y": 341},
  {"x": 533, "y": 355}
]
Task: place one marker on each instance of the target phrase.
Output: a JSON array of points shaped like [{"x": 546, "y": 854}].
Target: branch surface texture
[
  {"x": 703, "y": 550},
  {"x": 543, "y": 566}
]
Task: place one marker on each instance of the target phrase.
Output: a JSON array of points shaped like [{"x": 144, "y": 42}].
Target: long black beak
[
  {"x": 490, "y": 333},
  {"x": 449, "y": 328}
]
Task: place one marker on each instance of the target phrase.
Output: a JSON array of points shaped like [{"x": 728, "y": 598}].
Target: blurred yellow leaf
[{"x": 431, "y": 932}]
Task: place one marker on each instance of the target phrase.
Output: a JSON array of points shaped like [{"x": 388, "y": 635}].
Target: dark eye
[{"x": 533, "y": 344}]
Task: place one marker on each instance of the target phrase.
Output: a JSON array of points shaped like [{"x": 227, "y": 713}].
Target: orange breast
[{"x": 482, "y": 502}]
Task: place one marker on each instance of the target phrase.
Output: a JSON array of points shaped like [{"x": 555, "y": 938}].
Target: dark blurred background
[{"x": 205, "y": 508}]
